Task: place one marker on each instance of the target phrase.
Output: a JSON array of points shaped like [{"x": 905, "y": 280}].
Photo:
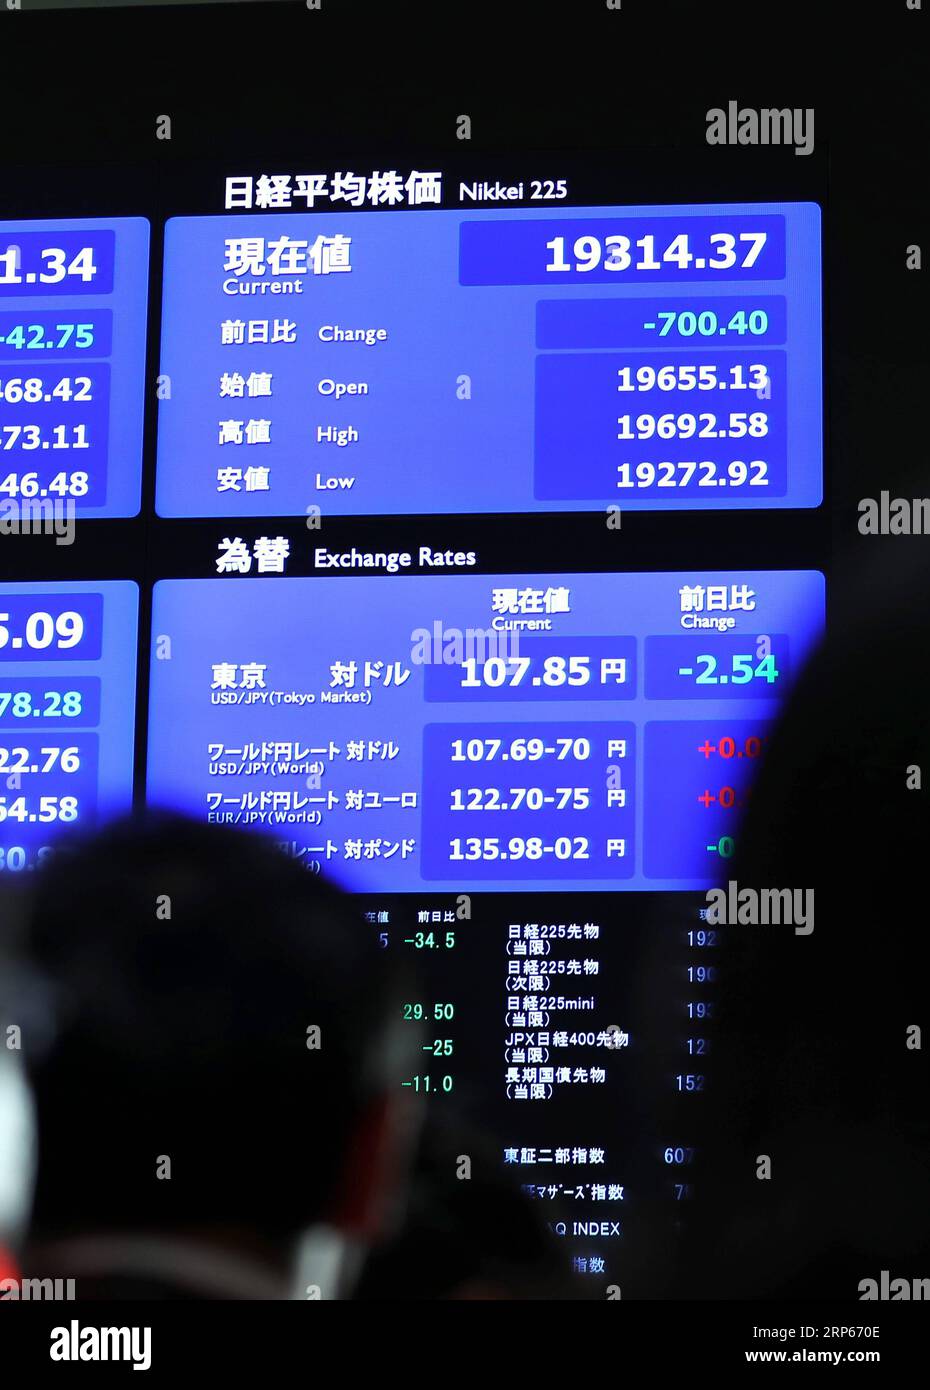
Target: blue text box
[
  {"x": 560, "y": 668},
  {"x": 518, "y": 252},
  {"x": 33, "y": 333},
  {"x": 59, "y": 627},
  {"x": 541, "y": 818},
  {"x": 581, "y": 413},
  {"x": 704, "y": 667},
  {"x": 695, "y": 322},
  {"x": 42, "y": 263}
]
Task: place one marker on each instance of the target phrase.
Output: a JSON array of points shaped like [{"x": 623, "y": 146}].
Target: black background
[{"x": 613, "y": 101}]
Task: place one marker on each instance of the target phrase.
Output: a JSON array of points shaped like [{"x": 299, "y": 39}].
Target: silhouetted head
[
  {"x": 813, "y": 1064},
  {"x": 214, "y": 1043}
]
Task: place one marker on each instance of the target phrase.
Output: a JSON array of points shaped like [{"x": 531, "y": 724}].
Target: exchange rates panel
[
  {"x": 516, "y": 732},
  {"x": 67, "y": 703},
  {"x": 437, "y": 361},
  {"x": 72, "y": 360}
]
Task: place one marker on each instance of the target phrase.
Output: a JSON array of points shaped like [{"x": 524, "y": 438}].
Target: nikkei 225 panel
[{"x": 437, "y": 361}]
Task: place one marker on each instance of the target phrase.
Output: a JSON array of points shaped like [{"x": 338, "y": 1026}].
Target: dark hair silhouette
[
  {"x": 182, "y": 966},
  {"x": 811, "y": 1064}
]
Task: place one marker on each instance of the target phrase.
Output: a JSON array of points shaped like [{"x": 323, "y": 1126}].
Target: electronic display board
[
  {"x": 502, "y": 360},
  {"x": 352, "y": 576}
]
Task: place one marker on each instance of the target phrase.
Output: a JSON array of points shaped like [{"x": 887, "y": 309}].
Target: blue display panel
[
  {"x": 495, "y": 361},
  {"x": 73, "y": 298},
  {"x": 508, "y": 731},
  {"x": 67, "y": 702}
]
